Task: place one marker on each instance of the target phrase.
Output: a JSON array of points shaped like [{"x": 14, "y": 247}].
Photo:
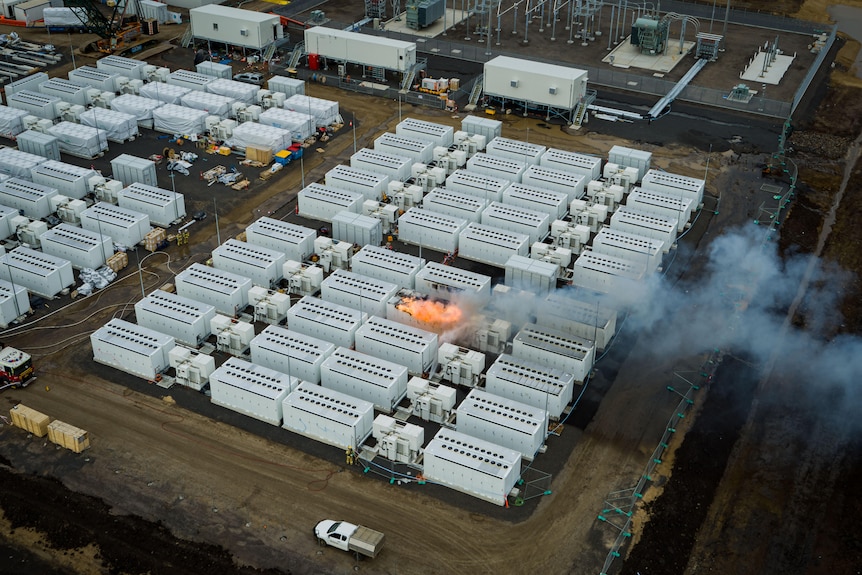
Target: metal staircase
[
  {"x": 269, "y": 52},
  {"x": 583, "y": 107},
  {"x": 297, "y": 53},
  {"x": 187, "y": 38},
  {"x": 476, "y": 92}
]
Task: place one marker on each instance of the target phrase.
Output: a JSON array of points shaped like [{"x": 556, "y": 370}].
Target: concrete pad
[
  {"x": 626, "y": 55},
  {"x": 774, "y": 72},
  {"x": 399, "y": 24}
]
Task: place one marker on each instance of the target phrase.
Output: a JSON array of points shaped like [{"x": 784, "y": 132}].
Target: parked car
[{"x": 255, "y": 78}]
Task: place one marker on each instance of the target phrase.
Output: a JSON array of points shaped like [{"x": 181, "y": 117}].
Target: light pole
[
  {"x": 218, "y": 232},
  {"x": 353, "y": 124}
]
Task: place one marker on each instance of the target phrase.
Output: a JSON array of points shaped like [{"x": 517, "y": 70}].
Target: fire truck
[{"x": 16, "y": 368}]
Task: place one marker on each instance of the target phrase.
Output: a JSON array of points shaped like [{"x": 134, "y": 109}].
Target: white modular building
[
  {"x": 503, "y": 422},
  {"x": 213, "y": 104},
  {"x": 83, "y": 248},
  {"x": 290, "y": 352},
  {"x": 95, "y": 78},
  {"x": 534, "y": 276},
  {"x": 235, "y": 26},
  {"x": 534, "y": 84},
  {"x": 357, "y": 291},
  {"x": 128, "y": 67},
  {"x": 162, "y": 206},
  {"x": 14, "y": 302},
  {"x": 629, "y": 246},
  {"x": 325, "y": 320},
  {"x": 631, "y": 158},
  {"x": 225, "y": 291},
  {"x": 328, "y": 416},
  {"x": 414, "y": 348},
  {"x": 515, "y": 150},
  {"x": 472, "y": 465},
  {"x": 602, "y": 273},
  {"x": 381, "y": 382},
  {"x": 447, "y": 282},
  {"x": 68, "y": 179},
  {"x": 42, "y": 274},
  {"x": 173, "y": 119},
  {"x": 675, "y": 185},
  {"x": 35, "y": 103},
  {"x": 460, "y": 205},
  {"x": 65, "y": 90},
  {"x": 371, "y": 185},
  {"x": 251, "y": 389},
  {"x": 126, "y": 227},
  {"x": 572, "y": 184},
  {"x": 438, "y": 134},
  {"x": 397, "y": 167},
  {"x": 488, "y": 188},
  {"x": 138, "y": 106},
  {"x": 558, "y": 349},
  {"x": 357, "y": 48},
  {"x": 641, "y": 223},
  {"x": 387, "y": 265},
  {"x": 187, "y": 320},
  {"x": 323, "y": 202},
  {"x": 33, "y": 200},
  {"x": 162, "y": 92},
  {"x": 416, "y": 149},
  {"x": 296, "y": 242},
  {"x": 663, "y": 204},
  {"x": 491, "y": 245},
  {"x": 496, "y": 166},
  {"x": 555, "y": 204},
  {"x": 357, "y": 229},
  {"x": 324, "y": 112},
  {"x": 132, "y": 348},
  {"x": 532, "y": 383},
  {"x": 575, "y": 162},
  {"x": 18, "y": 164},
  {"x": 431, "y": 230},
  {"x": 586, "y": 318},
  {"x": 262, "y": 265},
  {"x": 535, "y": 224}
]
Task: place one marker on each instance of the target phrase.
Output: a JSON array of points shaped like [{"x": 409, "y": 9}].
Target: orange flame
[{"x": 438, "y": 314}]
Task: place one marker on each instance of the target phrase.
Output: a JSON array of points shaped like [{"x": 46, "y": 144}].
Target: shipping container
[
  {"x": 515, "y": 150},
  {"x": 521, "y": 80},
  {"x": 460, "y": 205},
  {"x": 251, "y": 389},
  {"x": 675, "y": 185},
  {"x": 387, "y": 265},
  {"x": 322, "y": 202},
  {"x": 516, "y": 219},
  {"x": 291, "y": 352},
  {"x": 214, "y": 69},
  {"x": 235, "y": 26},
  {"x": 357, "y": 48},
  {"x": 662, "y": 203},
  {"x": 359, "y": 292},
  {"x": 134, "y": 170},
  {"x": 631, "y": 158},
  {"x": 325, "y": 320},
  {"x": 296, "y": 242},
  {"x": 29, "y": 420},
  {"x": 569, "y": 183},
  {"x": 187, "y": 320},
  {"x": 491, "y": 245},
  {"x": 437, "y": 134},
  {"x": 262, "y": 265},
  {"x": 357, "y": 229},
  {"x": 414, "y": 348},
  {"x": 68, "y": 436},
  {"x": 620, "y": 278},
  {"x": 225, "y": 291},
  {"x": 83, "y": 248},
  {"x": 128, "y": 67},
  {"x": 416, "y": 149},
  {"x": 381, "y": 382},
  {"x": 431, "y": 230},
  {"x": 42, "y": 274},
  {"x": 95, "y": 78},
  {"x": 328, "y": 416},
  {"x": 585, "y": 317},
  {"x": 481, "y": 163},
  {"x": 566, "y": 161},
  {"x": 68, "y": 179},
  {"x": 481, "y": 186},
  {"x": 641, "y": 223},
  {"x": 532, "y": 383},
  {"x": 14, "y": 302},
  {"x": 40, "y": 144},
  {"x": 33, "y": 200},
  {"x": 19, "y": 164},
  {"x": 132, "y": 348},
  {"x": 555, "y": 348},
  {"x": 628, "y": 246},
  {"x": 285, "y": 85},
  {"x": 482, "y": 126},
  {"x": 447, "y": 282},
  {"x": 503, "y": 422},
  {"x": 555, "y": 204},
  {"x": 371, "y": 185},
  {"x": 397, "y": 167},
  {"x": 473, "y": 466},
  {"x": 126, "y": 227},
  {"x": 66, "y": 90},
  {"x": 162, "y": 206},
  {"x": 35, "y": 103},
  {"x": 535, "y": 276},
  {"x": 30, "y": 82}
]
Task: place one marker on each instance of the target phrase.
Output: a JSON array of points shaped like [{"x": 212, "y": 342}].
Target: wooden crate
[
  {"x": 118, "y": 261},
  {"x": 30, "y": 420},
  {"x": 68, "y": 436},
  {"x": 153, "y": 238},
  {"x": 169, "y": 287},
  {"x": 262, "y": 155}
]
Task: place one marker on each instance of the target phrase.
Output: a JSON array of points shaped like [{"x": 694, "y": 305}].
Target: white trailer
[
  {"x": 381, "y": 382},
  {"x": 431, "y": 230},
  {"x": 575, "y": 162},
  {"x": 185, "y": 319},
  {"x": 371, "y": 185},
  {"x": 162, "y": 206},
  {"x": 587, "y": 318},
  {"x": 414, "y": 348},
  {"x": 397, "y": 167},
  {"x": 65, "y": 90},
  {"x": 373, "y": 51},
  {"x": 569, "y": 183},
  {"x": 33, "y": 200},
  {"x": 357, "y": 291},
  {"x": 42, "y": 274},
  {"x": 534, "y": 276},
  {"x": 83, "y": 248},
  {"x": 558, "y": 349},
  {"x": 617, "y": 277},
  {"x": 481, "y": 186},
  {"x": 532, "y": 383},
  {"x": 515, "y": 150},
  {"x": 555, "y": 204},
  {"x": 291, "y": 352},
  {"x": 386, "y": 265},
  {"x": 325, "y": 320},
  {"x": 630, "y": 247},
  {"x": 491, "y": 245},
  {"x": 323, "y": 202},
  {"x": 14, "y": 302},
  {"x": 68, "y": 179},
  {"x": 132, "y": 348},
  {"x": 126, "y": 227},
  {"x": 225, "y": 291},
  {"x": 235, "y": 26},
  {"x": 128, "y": 67},
  {"x": 262, "y": 265},
  {"x": 535, "y": 224},
  {"x": 473, "y": 466},
  {"x": 675, "y": 185},
  {"x": 641, "y": 223},
  {"x": 521, "y": 80},
  {"x": 495, "y": 166},
  {"x": 251, "y": 389},
  {"x": 663, "y": 204},
  {"x": 328, "y": 416},
  {"x": 296, "y": 242},
  {"x": 503, "y": 421},
  {"x": 447, "y": 282},
  {"x": 35, "y": 103},
  {"x": 95, "y": 78},
  {"x": 438, "y": 134},
  {"x": 417, "y": 149},
  {"x": 631, "y": 158},
  {"x": 460, "y": 205}
]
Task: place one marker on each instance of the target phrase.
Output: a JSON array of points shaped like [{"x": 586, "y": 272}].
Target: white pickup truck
[{"x": 349, "y": 537}]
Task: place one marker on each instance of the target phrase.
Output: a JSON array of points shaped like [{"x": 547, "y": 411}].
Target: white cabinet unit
[
  {"x": 387, "y": 265},
  {"x": 397, "y": 167},
  {"x": 371, "y": 185},
  {"x": 575, "y": 162},
  {"x": 447, "y": 282},
  {"x": 325, "y": 320},
  {"x": 42, "y": 274},
  {"x": 532, "y": 383},
  {"x": 666, "y": 204},
  {"x": 535, "y": 224},
  {"x": 126, "y": 227},
  {"x": 128, "y": 67},
  {"x": 569, "y": 183},
  {"x": 640, "y": 223},
  {"x": 251, "y": 389},
  {"x": 185, "y": 319},
  {"x": 365, "y": 49},
  {"x": 95, "y": 78},
  {"x": 485, "y": 187},
  {"x": 83, "y": 248},
  {"x": 132, "y": 348},
  {"x": 416, "y": 149},
  {"x": 396, "y": 440},
  {"x": 173, "y": 119},
  {"x": 628, "y": 246},
  {"x": 414, "y": 348},
  {"x": 631, "y": 158},
  {"x": 34, "y": 200},
  {"x": 460, "y": 205},
  {"x": 18, "y": 164},
  {"x": 35, "y": 103},
  {"x": 37, "y": 143},
  {"x": 162, "y": 206},
  {"x": 68, "y": 179},
  {"x": 675, "y": 185},
  {"x": 162, "y": 92},
  {"x": 324, "y": 112},
  {"x": 431, "y": 230},
  {"x": 262, "y": 265},
  {"x": 290, "y": 352},
  {"x": 322, "y": 202},
  {"x": 296, "y": 242},
  {"x": 491, "y": 245},
  {"x": 438, "y": 134},
  {"x": 357, "y": 229},
  {"x": 328, "y": 416},
  {"x": 269, "y": 306},
  {"x": 617, "y": 277},
  {"x": 584, "y": 317},
  {"x": 532, "y": 275},
  {"x": 558, "y": 349},
  {"x": 225, "y": 291},
  {"x": 235, "y": 26},
  {"x": 194, "y": 81},
  {"x": 495, "y": 166},
  {"x": 14, "y": 302},
  {"x": 381, "y": 382},
  {"x": 357, "y": 291},
  {"x": 515, "y": 150},
  {"x": 192, "y": 369},
  {"x": 555, "y": 204},
  {"x": 503, "y": 421}
]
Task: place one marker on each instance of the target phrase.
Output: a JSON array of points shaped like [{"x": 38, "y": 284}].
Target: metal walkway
[{"x": 660, "y": 106}]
